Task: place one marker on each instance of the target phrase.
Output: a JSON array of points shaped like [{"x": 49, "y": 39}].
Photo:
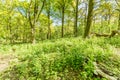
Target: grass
[{"x": 66, "y": 59}]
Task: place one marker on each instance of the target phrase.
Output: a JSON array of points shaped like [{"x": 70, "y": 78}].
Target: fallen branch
[
  {"x": 101, "y": 35},
  {"x": 114, "y": 32},
  {"x": 103, "y": 74}
]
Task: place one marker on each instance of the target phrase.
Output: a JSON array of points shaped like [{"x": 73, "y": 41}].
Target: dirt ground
[{"x": 5, "y": 61}]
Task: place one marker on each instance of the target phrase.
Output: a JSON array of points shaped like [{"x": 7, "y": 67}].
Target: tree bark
[
  {"x": 76, "y": 19},
  {"x": 33, "y": 34},
  {"x": 85, "y": 19},
  {"x": 32, "y": 25},
  {"x": 49, "y": 29},
  {"x": 62, "y": 29},
  {"x": 33, "y": 21},
  {"x": 10, "y": 30},
  {"x": 89, "y": 18},
  {"x": 119, "y": 22}
]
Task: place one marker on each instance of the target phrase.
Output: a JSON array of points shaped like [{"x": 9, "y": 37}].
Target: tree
[
  {"x": 8, "y": 12},
  {"x": 33, "y": 12},
  {"x": 62, "y": 5},
  {"x": 118, "y": 4},
  {"x": 48, "y": 11},
  {"x": 76, "y": 18},
  {"x": 89, "y": 18},
  {"x": 103, "y": 12}
]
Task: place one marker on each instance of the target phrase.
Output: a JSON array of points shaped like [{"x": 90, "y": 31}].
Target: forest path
[{"x": 5, "y": 61}]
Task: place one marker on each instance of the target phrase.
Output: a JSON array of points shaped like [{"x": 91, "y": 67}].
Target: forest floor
[
  {"x": 26, "y": 58},
  {"x": 6, "y": 59}
]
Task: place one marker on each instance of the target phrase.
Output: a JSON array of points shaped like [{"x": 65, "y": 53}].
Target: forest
[{"x": 59, "y": 40}]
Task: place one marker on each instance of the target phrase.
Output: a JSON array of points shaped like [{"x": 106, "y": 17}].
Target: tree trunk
[
  {"x": 10, "y": 30},
  {"x": 101, "y": 26},
  {"x": 76, "y": 19},
  {"x": 49, "y": 29},
  {"x": 109, "y": 17},
  {"x": 33, "y": 21},
  {"x": 62, "y": 29},
  {"x": 119, "y": 22},
  {"x": 7, "y": 35},
  {"x": 86, "y": 7},
  {"x": 32, "y": 25},
  {"x": 89, "y": 18},
  {"x": 33, "y": 35}
]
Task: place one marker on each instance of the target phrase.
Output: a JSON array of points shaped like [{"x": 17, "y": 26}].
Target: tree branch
[
  {"x": 40, "y": 10},
  {"x": 29, "y": 16}
]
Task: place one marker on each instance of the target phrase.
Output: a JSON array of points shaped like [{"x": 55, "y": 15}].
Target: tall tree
[
  {"x": 89, "y": 18},
  {"x": 36, "y": 15},
  {"x": 62, "y": 5},
  {"x": 76, "y": 19},
  {"x": 48, "y": 10},
  {"x": 33, "y": 12},
  {"x": 118, "y": 4}
]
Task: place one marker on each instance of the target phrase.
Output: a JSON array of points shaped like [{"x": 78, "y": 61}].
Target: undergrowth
[{"x": 63, "y": 59}]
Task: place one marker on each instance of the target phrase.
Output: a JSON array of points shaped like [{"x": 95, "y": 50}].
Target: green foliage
[
  {"x": 115, "y": 41},
  {"x": 63, "y": 59},
  {"x": 15, "y": 24}
]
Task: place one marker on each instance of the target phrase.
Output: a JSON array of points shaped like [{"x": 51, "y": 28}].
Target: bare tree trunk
[
  {"x": 89, "y": 18},
  {"x": 7, "y": 35},
  {"x": 100, "y": 30},
  {"x": 76, "y": 19},
  {"x": 33, "y": 34},
  {"x": 109, "y": 16},
  {"x": 119, "y": 22},
  {"x": 49, "y": 29},
  {"x": 10, "y": 30},
  {"x": 109, "y": 19},
  {"x": 32, "y": 25},
  {"x": 62, "y": 29},
  {"x": 86, "y": 7}
]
